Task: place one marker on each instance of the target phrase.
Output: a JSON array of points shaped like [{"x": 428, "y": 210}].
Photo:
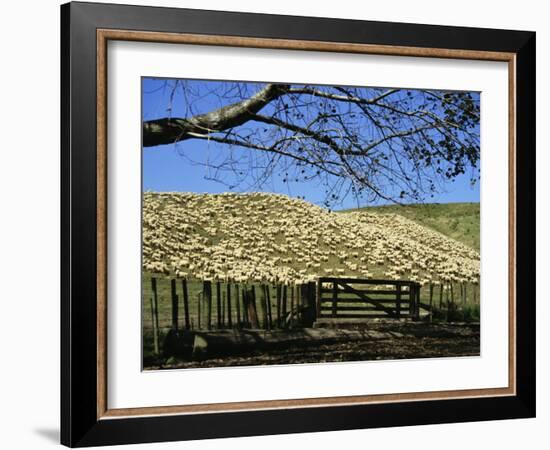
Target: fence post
[
  {"x": 185, "y": 304},
  {"x": 218, "y": 304},
  {"x": 253, "y": 310},
  {"x": 412, "y": 298},
  {"x": 207, "y": 299},
  {"x": 268, "y": 305},
  {"x": 245, "y": 305},
  {"x": 174, "y": 304},
  {"x": 292, "y": 305},
  {"x": 334, "y": 298},
  {"x": 447, "y": 303},
  {"x": 299, "y": 303},
  {"x": 398, "y": 300},
  {"x": 154, "y": 315},
  {"x": 229, "y": 319},
  {"x": 223, "y": 309},
  {"x": 431, "y": 300},
  {"x": 238, "y": 304},
  {"x": 417, "y": 309},
  {"x": 318, "y": 296},
  {"x": 199, "y": 301},
  {"x": 283, "y": 307},
  {"x": 263, "y": 307},
  {"x": 279, "y": 292},
  {"x": 309, "y": 304}
]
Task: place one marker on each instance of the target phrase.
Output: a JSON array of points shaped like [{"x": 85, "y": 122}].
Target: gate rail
[{"x": 347, "y": 298}]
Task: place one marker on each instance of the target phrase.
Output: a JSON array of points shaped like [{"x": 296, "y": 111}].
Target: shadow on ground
[{"x": 50, "y": 434}]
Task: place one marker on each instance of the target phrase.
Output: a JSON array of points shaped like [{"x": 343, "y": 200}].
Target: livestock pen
[{"x": 191, "y": 305}]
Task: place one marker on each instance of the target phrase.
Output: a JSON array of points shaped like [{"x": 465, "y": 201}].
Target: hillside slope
[
  {"x": 459, "y": 221},
  {"x": 267, "y": 237}
]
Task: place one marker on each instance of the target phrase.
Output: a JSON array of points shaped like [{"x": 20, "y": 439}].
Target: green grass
[
  {"x": 445, "y": 309},
  {"x": 459, "y": 221}
]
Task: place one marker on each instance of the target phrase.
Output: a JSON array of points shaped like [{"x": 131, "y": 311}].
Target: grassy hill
[
  {"x": 267, "y": 237},
  {"x": 459, "y": 221}
]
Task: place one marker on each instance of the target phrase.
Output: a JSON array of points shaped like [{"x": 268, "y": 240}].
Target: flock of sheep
[{"x": 272, "y": 238}]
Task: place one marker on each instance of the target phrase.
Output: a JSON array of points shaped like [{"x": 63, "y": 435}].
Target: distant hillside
[
  {"x": 274, "y": 238},
  {"x": 459, "y": 221}
]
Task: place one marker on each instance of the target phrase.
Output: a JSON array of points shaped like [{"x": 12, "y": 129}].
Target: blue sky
[{"x": 183, "y": 167}]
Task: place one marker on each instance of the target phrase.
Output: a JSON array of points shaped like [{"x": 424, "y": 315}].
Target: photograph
[
  {"x": 283, "y": 223},
  {"x": 288, "y": 223}
]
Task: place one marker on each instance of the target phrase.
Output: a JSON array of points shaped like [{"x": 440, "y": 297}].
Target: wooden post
[
  {"x": 207, "y": 299},
  {"x": 417, "y": 311},
  {"x": 223, "y": 309},
  {"x": 268, "y": 300},
  {"x": 279, "y": 292},
  {"x": 174, "y": 305},
  {"x": 318, "y": 296},
  {"x": 252, "y": 312},
  {"x": 292, "y": 302},
  {"x": 299, "y": 303},
  {"x": 199, "y": 301},
  {"x": 185, "y": 304},
  {"x": 263, "y": 307},
  {"x": 245, "y": 305},
  {"x": 313, "y": 302},
  {"x": 238, "y": 304},
  {"x": 283, "y": 306},
  {"x": 154, "y": 328},
  {"x": 431, "y": 300},
  {"x": 229, "y": 318},
  {"x": 447, "y": 304},
  {"x": 334, "y": 298},
  {"x": 398, "y": 299},
  {"x": 155, "y": 306},
  {"x": 218, "y": 304},
  {"x": 412, "y": 296},
  {"x": 310, "y": 303},
  {"x": 305, "y": 303}
]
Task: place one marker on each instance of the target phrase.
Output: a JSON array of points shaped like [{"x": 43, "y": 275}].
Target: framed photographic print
[{"x": 276, "y": 224}]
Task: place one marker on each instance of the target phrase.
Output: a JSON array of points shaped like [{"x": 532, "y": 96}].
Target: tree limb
[{"x": 168, "y": 130}]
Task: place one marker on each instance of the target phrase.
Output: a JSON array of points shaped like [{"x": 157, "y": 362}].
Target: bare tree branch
[{"x": 390, "y": 144}]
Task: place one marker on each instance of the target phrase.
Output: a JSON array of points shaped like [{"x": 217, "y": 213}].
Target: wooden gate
[{"x": 348, "y": 298}]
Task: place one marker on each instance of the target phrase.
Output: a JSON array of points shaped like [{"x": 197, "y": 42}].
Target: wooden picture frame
[{"x": 86, "y": 419}]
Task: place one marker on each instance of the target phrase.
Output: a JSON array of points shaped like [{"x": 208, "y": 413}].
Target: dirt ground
[{"x": 416, "y": 341}]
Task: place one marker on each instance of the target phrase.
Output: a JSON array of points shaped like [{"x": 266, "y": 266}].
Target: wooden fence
[
  {"x": 367, "y": 299},
  {"x": 181, "y": 305}
]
